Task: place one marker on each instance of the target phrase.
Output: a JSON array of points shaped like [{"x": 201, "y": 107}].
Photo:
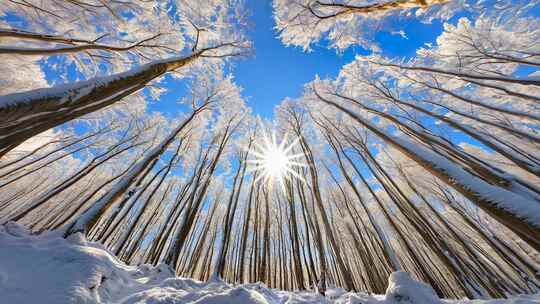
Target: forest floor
[{"x": 49, "y": 269}]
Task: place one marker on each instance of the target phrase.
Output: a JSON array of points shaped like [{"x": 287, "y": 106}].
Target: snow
[
  {"x": 71, "y": 93},
  {"x": 50, "y": 269},
  {"x": 66, "y": 92},
  {"x": 401, "y": 288}
]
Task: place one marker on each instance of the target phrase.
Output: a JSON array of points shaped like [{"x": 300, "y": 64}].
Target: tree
[{"x": 51, "y": 107}]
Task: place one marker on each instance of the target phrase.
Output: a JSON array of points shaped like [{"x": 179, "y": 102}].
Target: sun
[{"x": 274, "y": 161}]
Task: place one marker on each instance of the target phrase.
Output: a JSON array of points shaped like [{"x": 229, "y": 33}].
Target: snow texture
[
  {"x": 49, "y": 269},
  {"x": 69, "y": 93}
]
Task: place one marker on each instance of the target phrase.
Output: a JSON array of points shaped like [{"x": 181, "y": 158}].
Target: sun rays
[{"x": 274, "y": 162}]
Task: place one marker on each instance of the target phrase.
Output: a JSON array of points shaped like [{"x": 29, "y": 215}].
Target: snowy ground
[{"x": 50, "y": 269}]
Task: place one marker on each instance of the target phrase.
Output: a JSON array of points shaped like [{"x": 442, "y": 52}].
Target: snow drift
[{"x": 50, "y": 269}]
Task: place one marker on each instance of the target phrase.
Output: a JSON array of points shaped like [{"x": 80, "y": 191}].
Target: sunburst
[{"x": 274, "y": 161}]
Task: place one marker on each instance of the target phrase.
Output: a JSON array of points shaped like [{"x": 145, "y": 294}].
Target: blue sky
[{"x": 276, "y": 71}]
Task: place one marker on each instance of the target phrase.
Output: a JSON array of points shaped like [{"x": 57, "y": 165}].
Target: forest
[{"x": 425, "y": 166}]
